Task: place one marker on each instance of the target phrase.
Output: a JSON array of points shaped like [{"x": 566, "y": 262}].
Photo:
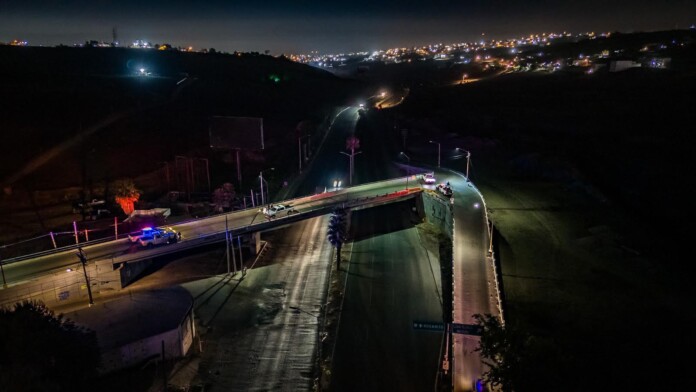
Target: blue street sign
[
  {"x": 467, "y": 329},
  {"x": 429, "y": 326}
]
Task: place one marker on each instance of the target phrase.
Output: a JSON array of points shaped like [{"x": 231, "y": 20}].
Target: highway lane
[
  {"x": 329, "y": 164},
  {"x": 23, "y": 270},
  {"x": 266, "y": 329},
  {"x": 392, "y": 281},
  {"x": 474, "y": 279}
]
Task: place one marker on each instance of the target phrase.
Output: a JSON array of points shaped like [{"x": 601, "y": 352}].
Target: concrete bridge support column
[{"x": 255, "y": 243}]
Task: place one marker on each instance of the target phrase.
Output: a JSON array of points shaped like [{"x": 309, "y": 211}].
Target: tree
[
  {"x": 517, "y": 360},
  {"x": 126, "y": 195},
  {"x": 40, "y": 351},
  {"x": 501, "y": 349},
  {"x": 223, "y": 197},
  {"x": 337, "y": 232}
]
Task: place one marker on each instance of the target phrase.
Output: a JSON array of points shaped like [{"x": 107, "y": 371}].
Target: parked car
[
  {"x": 275, "y": 209},
  {"x": 99, "y": 213},
  {"x": 445, "y": 189},
  {"x": 80, "y": 206}
]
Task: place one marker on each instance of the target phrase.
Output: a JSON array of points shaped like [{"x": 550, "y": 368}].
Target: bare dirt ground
[{"x": 572, "y": 275}]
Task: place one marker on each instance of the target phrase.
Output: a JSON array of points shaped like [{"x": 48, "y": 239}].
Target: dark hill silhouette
[{"x": 52, "y": 95}]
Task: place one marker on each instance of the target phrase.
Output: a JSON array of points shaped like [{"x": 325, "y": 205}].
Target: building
[
  {"x": 622, "y": 65},
  {"x": 141, "y": 327}
]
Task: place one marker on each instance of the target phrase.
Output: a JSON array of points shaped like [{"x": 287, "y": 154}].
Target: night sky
[{"x": 301, "y": 26}]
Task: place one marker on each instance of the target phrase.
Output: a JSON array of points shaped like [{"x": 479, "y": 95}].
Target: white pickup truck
[
  {"x": 158, "y": 237},
  {"x": 276, "y": 209}
]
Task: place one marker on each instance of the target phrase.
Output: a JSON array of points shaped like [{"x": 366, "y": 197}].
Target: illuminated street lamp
[
  {"x": 263, "y": 199},
  {"x": 352, "y": 144},
  {"x": 468, "y": 159},
  {"x": 438, "y": 151}
]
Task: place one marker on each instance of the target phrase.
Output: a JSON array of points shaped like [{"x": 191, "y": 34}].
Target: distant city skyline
[{"x": 304, "y": 26}]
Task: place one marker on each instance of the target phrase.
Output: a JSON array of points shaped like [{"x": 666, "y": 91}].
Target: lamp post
[
  {"x": 408, "y": 168},
  {"x": 352, "y": 143},
  {"x": 468, "y": 159},
  {"x": 438, "y": 152},
  {"x": 263, "y": 199},
  {"x": 299, "y": 149}
]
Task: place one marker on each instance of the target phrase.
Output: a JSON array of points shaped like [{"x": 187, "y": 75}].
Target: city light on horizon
[{"x": 288, "y": 27}]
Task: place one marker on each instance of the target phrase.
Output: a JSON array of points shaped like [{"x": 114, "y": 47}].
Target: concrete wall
[
  {"x": 57, "y": 288},
  {"x": 438, "y": 211},
  {"x": 66, "y": 287},
  {"x": 136, "y": 353},
  {"x": 177, "y": 343},
  {"x": 129, "y": 272}
]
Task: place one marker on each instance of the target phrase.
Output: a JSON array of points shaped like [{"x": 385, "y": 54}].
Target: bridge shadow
[
  {"x": 376, "y": 221},
  {"x": 225, "y": 281}
]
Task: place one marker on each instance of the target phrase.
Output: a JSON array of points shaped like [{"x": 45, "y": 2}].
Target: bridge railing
[
  {"x": 219, "y": 236},
  {"x": 337, "y": 195}
]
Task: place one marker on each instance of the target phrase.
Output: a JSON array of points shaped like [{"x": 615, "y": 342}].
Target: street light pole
[
  {"x": 299, "y": 150},
  {"x": 468, "y": 160},
  {"x": 352, "y": 143},
  {"x": 408, "y": 168},
  {"x": 263, "y": 199},
  {"x": 438, "y": 152}
]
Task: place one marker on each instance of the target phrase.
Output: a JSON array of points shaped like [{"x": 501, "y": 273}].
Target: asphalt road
[
  {"x": 474, "y": 280},
  {"x": 392, "y": 281},
  {"x": 474, "y": 283},
  {"x": 264, "y": 329},
  {"x": 329, "y": 164}
]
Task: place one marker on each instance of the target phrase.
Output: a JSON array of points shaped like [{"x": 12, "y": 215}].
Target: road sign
[
  {"x": 429, "y": 326},
  {"x": 467, "y": 329}
]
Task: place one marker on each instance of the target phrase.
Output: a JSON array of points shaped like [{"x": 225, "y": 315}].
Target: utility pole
[
  {"x": 83, "y": 260},
  {"x": 4, "y": 281},
  {"x": 468, "y": 161},
  {"x": 229, "y": 241},
  {"x": 438, "y": 152},
  {"x": 352, "y": 143},
  {"x": 241, "y": 259},
  {"x": 263, "y": 199},
  {"x": 207, "y": 171},
  {"x": 299, "y": 149},
  {"x": 408, "y": 168},
  {"x": 239, "y": 167},
  {"x": 227, "y": 245}
]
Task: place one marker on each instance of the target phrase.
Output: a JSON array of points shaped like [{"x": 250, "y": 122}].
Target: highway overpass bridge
[
  {"x": 107, "y": 256},
  {"x": 474, "y": 279}
]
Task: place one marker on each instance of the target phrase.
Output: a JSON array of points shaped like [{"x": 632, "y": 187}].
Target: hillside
[{"x": 51, "y": 95}]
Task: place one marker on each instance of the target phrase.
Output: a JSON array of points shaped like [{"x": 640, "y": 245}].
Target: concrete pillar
[{"x": 255, "y": 243}]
